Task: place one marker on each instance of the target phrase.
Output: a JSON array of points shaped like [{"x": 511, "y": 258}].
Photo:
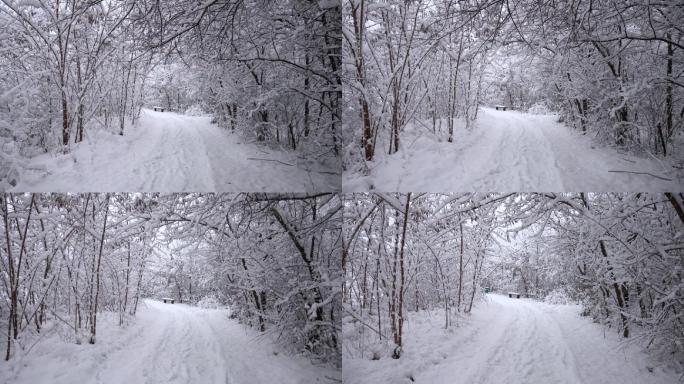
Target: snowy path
[
  {"x": 513, "y": 151},
  {"x": 524, "y": 341},
  {"x": 178, "y": 347},
  {"x": 519, "y": 344},
  {"x": 171, "y": 344},
  {"x": 513, "y": 341},
  {"x": 169, "y": 152}
]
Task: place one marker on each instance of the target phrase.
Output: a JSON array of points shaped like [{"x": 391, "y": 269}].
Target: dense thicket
[
  {"x": 407, "y": 62},
  {"x": 67, "y": 63},
  {"x": 612, "y": 68},
  {"x": 620, "y": 255},
  {"x": 275, "y": 260},
  {"x": 268, "y": 69},
  {"x": 409, "y": 253}
]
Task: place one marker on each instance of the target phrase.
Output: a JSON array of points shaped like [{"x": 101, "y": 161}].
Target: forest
[
  {"x": 611, "y": 70},
  {"x": 416, "y": 256},
  {"x": 70, "y": 259},
  {"x": 266, "y": 69}
]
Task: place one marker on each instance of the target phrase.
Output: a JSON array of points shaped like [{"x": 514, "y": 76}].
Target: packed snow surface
[
  {"x": 170, "y": 344},
  {"x": 514, "y": 341},
  {"x": 511, "y": 151},
  {"x": 170, "y": 152}
]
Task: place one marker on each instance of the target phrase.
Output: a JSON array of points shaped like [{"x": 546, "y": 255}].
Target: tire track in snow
[
  {"x": 519, "y": 344},
  {"x": 170, "y": 344},
  {"x": 179, "y": 161},
  {"x": 481, "y": 164},
  {"x": 168, "y": 152},
  {"x": 513, "y": 151},
  {"x": 540, "y": 160}
]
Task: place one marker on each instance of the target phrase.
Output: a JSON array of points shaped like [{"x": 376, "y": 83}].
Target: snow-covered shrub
[
  {"x": 210, "y": 302},
  {"x": 360, "y": 342},
  {"x": 9, "y": 172},
  {"x": 558, "y": 296},
  {"x": 195, "y": 110},
  {"x": 539, "y": 109}
]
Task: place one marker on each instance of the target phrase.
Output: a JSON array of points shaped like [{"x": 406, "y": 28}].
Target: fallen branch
[
  {"x": 644, "y": 173},
  {"x": 277, "y": 161}
]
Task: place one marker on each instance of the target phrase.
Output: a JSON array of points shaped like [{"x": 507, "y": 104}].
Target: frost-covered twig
[{"x": 642, "y": 173}]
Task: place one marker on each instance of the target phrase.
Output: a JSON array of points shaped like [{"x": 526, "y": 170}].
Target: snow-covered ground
[
  {"x": 169, "y": 152},
  {"x": 511, "y": 151},
  {"x": 170, "y": 344},
  {"x": 511, "y": 341}
]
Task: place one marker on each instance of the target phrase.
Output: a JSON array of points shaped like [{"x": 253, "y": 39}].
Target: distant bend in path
[
  {"x": 513, "y": 151},
  {"x": 170, "y": 152}
]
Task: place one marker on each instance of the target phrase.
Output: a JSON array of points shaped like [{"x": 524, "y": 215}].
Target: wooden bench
[
  {"x": 500, "y": 107},
  {"x": 512, "y": 294},
  {"x": 165, "y": 299},
  {"x": 158, "y": 109}
]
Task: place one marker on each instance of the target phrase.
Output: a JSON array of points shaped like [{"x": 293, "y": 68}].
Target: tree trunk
[
  {"x": 460, "y": 266},
  {"x": 668, "y": 98},
  {"x": 472, "y": 294},
  {"x": 672, "y": 198},
  {"x": 93, "y": 323},
  {"x": 124, "y": 100},
  {"x": 14, "y": 275},
  {"x": 128, "y": 273},
  {"x": 400, "y": 311},
  {"x": 65, "y": 120}
]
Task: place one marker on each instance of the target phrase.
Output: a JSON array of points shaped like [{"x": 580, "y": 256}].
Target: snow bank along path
[
  {"x": 523, "y": 341},
  {"x": 169, "y": 152},
  {"x": 514, "y": 151},
  {"x": 170, "y": 344}
]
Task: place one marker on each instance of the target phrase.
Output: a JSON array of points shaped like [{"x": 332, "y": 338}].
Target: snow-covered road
[
  {"x": 520, "y": 344},
  {"x": 183, "y": 344},
  {"x": 513, "y": 151},
  {"x": 524, "y": 341},
  {"x": 169, "y": 152},
  {"x": 512, "y": 341},
  {"x": 178, "y": 347},
  {"x": 170, "y": 344}
]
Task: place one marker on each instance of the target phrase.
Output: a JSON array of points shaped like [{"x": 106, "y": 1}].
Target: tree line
[
  {"x": 612, "y": 69},
  {"x": 618, "y": 254},
  {"x": 269, "y": 71},
  {"x": 274, "y": 259}
]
